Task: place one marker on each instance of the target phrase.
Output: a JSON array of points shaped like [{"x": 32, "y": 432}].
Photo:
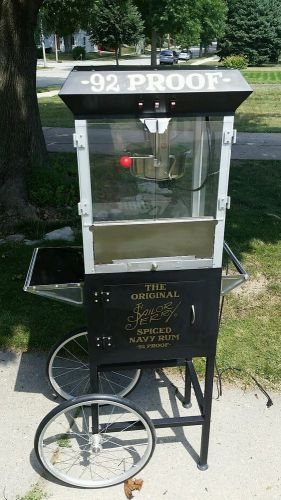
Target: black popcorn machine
[{"x": 153, "y": 148}]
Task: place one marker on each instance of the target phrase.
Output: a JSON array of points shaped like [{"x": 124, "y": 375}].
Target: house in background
[{"x": 79, "y": 39}]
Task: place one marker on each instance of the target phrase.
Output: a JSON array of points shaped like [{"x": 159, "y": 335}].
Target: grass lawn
[
  {"x": 40, "y": 90},
  {"x": 54, "y": 113},
  {"x": 263, "y": 76},
  {"x": 261, "y": 112},
  {"x": 250, "y": 331}
]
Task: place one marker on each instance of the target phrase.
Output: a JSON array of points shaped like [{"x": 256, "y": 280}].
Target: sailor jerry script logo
[
  {"x": 150, "y": 325},
  {"x": 145, "y": 316}
]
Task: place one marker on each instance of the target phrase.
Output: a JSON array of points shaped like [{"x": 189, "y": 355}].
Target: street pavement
[
  {"x": 56, "y": 73},
  {"x": 245, "y": 442},
  {"x": 249, "y": 146}
]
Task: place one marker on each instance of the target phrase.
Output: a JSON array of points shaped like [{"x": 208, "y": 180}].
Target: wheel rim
[
  {"x": 71, "y": 453},
  {"x": 69, "y": 375}
]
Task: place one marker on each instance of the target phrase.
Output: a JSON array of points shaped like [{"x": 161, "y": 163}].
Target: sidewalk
[
  {"x": 249, "y": 146},
  {"x": 245, "y": 441}
]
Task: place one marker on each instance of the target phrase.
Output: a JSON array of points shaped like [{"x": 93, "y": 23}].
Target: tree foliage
[
  {"x": 253, "y": 29},
  {"x": 164, "y": 16},
  {"x": 177, "y": 17},
  {"x": 65, "y": 17},
  {"x": 114, "y": 23},
  {"x": 212, "y": 18},
  {"x": 189, "y": 33}
]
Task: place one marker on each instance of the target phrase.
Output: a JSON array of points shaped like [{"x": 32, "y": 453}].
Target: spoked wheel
[
  {"x": 95, "y": 441},
  {"x": 69, "y": 375}
]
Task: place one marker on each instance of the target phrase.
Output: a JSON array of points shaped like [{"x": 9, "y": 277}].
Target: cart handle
[
  {"x": 235, "y": 261},
  {"x": 228, "y": 281}
]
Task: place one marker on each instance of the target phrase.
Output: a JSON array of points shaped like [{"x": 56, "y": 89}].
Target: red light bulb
[{"x": 125, "y": 161}]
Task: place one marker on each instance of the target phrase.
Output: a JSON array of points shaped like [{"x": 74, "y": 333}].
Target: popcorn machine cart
[{"x": 153, "y": 148}]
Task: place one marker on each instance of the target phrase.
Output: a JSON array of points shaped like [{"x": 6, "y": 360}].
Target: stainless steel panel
[{"x": 153, "y": 239}]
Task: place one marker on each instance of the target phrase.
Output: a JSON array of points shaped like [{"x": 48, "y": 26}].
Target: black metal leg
[
  {"x": 209, "y": 377},
  {"x": 187, "y": 389},
  {"x": 94, "y": 389},
  {"x": 94, "y": 383}
]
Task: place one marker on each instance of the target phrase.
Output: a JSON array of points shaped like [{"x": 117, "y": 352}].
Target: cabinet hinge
[
  {"x": 229, "y": 137},
  {"x": 83, "y": 208},
  {"x": 101, "y": 297}
]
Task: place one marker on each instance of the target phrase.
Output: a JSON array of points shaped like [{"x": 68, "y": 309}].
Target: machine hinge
[
  {"x": 79, "y": 141},
  {"x": 101, "y": 297},
  {"x": 224, "y": 202},
  {"x": 83, "y": 208},
  {"x": 229, "y": 137},
  {"x": 104, "y": 342}
]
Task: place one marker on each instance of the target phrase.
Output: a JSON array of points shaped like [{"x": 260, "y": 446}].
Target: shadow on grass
[{"x": 26, "y": 321}]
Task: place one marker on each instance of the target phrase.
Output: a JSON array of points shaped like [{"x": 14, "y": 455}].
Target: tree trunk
[
  {"x": 22, "y": 143},
  {"x": 201, "y": 49},
  {"x": 153, "y": 47},
  {"x": 116, "y": 50}
]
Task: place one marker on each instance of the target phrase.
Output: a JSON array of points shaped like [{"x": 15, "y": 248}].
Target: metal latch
[
  {"x": 104, "y": 342},
  {"x": 101, "y": 296},
  {"x": 79, "y": 141},
  {"x": 224, "y": 202}
]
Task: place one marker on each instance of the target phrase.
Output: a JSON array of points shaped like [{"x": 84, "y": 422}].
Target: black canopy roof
[{"x": 136, "y": 91}]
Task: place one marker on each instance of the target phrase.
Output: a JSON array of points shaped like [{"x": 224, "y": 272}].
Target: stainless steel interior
[{"x": 149, "y": 239}]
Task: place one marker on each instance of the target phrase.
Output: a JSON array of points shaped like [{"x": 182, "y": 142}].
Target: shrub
[
  {"x": 57, "y": 185},
  {"x": 78, "y": 53},
  {"x": 235, "y": 62}
]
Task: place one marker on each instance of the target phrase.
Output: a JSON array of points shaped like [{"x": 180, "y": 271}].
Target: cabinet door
[{"x": 153, "y": 320}]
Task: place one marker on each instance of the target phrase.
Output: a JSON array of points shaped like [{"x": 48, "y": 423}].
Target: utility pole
[
  {"x": 43, "y": 43},
  {"x": 56, "y": 49}
]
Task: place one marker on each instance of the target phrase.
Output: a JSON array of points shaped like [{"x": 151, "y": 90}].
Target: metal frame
[
  {"x": 229, "y": 282},
  {"x": 203, "y": 399},
  {"x": 223, "y": 200},
  {"x": 198, "y": 197},
  {"x": 86, "y": 203}
]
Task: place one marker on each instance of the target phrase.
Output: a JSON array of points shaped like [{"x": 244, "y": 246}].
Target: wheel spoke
[
  {"x": 71, "y": 357},
  {"x": 68, "y": 449}
]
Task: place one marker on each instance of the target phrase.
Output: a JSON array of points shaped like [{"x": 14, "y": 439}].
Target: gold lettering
[
  {"x": 143, "y": 339},
  {"x": 155, "y": 295},
  {"x": 163, "y": 338},
  {"x": 155, "y": 331},
  {"x": 151, "y": 287}
]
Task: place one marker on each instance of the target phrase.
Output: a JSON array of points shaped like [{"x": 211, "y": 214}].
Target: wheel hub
[{"x": 96, "y": 443}]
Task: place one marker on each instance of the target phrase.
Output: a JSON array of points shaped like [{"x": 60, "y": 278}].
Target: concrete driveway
[{"x": 244, "y": 457}]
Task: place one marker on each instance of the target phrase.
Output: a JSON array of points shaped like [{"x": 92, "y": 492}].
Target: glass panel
[{"x": 155, "y": 168}]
